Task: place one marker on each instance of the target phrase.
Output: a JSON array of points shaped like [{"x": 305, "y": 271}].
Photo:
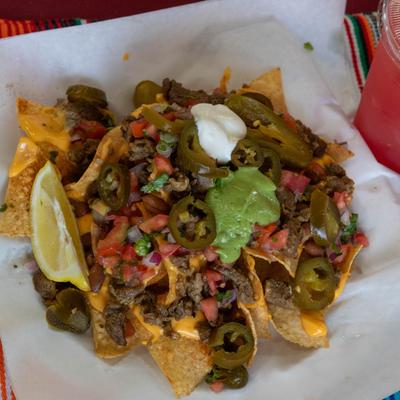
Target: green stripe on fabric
[{"x": 362, "y": 51}]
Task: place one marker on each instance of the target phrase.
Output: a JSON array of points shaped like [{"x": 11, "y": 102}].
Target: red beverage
[{"x": 378, "y": 116}]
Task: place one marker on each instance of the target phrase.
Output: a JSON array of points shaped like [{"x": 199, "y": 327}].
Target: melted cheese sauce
[
  {"x": 155, "y": 330},
  {"x": 314, "y": 323},
  {"x": 25, "y": 155},
  {"x": 187, "y": 326}
]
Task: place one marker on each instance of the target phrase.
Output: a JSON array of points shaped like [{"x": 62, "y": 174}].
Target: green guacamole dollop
[{"x": 245, "y": 197}]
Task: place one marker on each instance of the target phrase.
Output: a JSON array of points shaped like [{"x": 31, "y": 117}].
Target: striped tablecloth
[{"x": 361, "y": 34}]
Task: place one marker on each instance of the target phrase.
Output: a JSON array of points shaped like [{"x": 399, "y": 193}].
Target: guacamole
[{"x": 245, "y": 197}]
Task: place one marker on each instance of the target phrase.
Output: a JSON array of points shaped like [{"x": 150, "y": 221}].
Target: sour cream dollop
[{"x": 219, "y": 129}]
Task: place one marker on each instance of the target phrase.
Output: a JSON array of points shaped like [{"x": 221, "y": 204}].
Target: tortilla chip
[
  {"x": 15, "y": 221},
  {"x": 286, "y": 317},
  {"x": 61, "y": 158},
  {"x": 43, "y": 123},
  {"x": 345, "y": 267},
  {"x": 259, "y": 310},
  {"x": 338, "y": 152},
  {"x": 269, "y": 84},
  {"x": 184, "y": 362},
  {"x": 112, "y": 148},
  {"x": 290, "y": 263},
  {"x": 250, "y": 323},
  {"x": 104, "y": 346}
]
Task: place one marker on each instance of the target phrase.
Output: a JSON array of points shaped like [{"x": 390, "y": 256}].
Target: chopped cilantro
[
  {"x": 350, "y": 229},
  {"x": 308, "y": 46},
  {"x": 143, "y": 245},
  {"x": 223, "y": 296},
  {"x": 53, "y": 155},
  {"x": 155, "y": 185},
  {"x": 3, "y": 207}
]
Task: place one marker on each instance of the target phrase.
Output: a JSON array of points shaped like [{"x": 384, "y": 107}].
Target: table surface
[{"x": 93, "y": 9}]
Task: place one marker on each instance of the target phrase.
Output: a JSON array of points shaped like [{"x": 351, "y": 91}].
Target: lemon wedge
[{"x": 55, "y": 237}]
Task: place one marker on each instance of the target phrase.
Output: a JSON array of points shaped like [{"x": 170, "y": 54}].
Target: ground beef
[
  {"x": 155, "y": 314},
  {"x": 287, "y": 200},
  {"x": 124, "y": 294},
  {"x": 182, "y": 308},
  {"x": 174, "y": 92},
  {"x": 45, "y": 287},
  {"x": 318, "y": 146},
  {"x": 335, "y": 184},
  {"x": 82, "y": 152},
  {"x": 140, "y": 149},
  {"x": 195, "y": 288},
  {"x": 182, "y": 263},
  {"x": 115, "y": 323},
  {"x": 294, "y": 238},
  {"x": 335, "y": 169},
  {"x": 279, "y": 293},
  {"x": 240, "y": 281}
]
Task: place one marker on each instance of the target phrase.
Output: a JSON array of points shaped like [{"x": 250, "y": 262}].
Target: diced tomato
[
  {"x": 170, "y": 116},
  {"x": 163, "y": 165},
  {"x": 90, "y": 129},
  {"x": 154, "y": 224},
  {"x": 295, "y": 182},
  {"x": 168, "y": 249},
  {"x": 361, "y": 239},
  {"x": 264, "y": 232},
  {"x": 276, "y": 241},
  {"x": 152, "y": 131},
  {"x": 112, "y": 243},
  {"x": 210, "y": 254},
  {"x": 209, "y": 307},
  {"x": 129, "y": 330},
  {"x": 290, "y": 121},
  {"x": 143, "y": 272},
  {"x": 128, "y": 253},
  {"x": 137, "y": 128},
  {"x": 214, "y": 278},
  {"x": 128, "y": 271},
  {"x": 110, "y": 263},
  {"x": 217, "y": 386}
]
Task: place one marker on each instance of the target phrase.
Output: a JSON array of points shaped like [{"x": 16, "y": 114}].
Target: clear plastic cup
[{"x": 378, "y": 116}]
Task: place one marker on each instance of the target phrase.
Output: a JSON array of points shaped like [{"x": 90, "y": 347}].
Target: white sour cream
[{"x": 219, "y": 129}]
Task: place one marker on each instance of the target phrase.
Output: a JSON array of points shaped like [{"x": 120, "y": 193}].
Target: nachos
[{"x": 202, "y": 218}]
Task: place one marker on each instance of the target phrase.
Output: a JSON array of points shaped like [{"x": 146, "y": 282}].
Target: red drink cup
[{"x": 378, "y": 116}]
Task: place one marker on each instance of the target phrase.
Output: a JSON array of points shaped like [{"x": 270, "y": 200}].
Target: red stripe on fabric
[
  {"x": 20, "y": 27},
  {"x": 367, "y": 39},
  {"x": 3, "y": 386},
  {"x": 13, "y": 395},
  {"x": 3, "y": 29},
  {"x": 353, "y": 54},
  {"x": 13, "y": 27},
  {"x": 58, "y": 23}
]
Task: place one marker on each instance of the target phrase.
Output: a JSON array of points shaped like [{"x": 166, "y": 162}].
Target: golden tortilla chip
[
  {"x": 251, "y": 324},
  {"x": 104, "y": 346},
  {"x": 184, "y": 362},
  {"x": 345, "y": 266},
  {"x": 28, "y": 160},
  {"x": 44, "y": 124},
  {"x": 61, "y": 158},
  {"x": 269, "y": 84},
  {"x": 290, "y": 263},
  {"x": 259, "y": 310},
  {"x": 287, "y": 318},
  {"x": 112, "y": 148},
  {"x": 338, "y": 152}
]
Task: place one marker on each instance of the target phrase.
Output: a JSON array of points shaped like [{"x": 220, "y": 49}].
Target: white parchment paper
[{"x": 193, "y": 44}]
